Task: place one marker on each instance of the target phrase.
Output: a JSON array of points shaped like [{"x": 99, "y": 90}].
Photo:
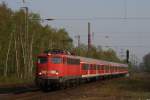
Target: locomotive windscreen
[{"x": 56, "y": 60}]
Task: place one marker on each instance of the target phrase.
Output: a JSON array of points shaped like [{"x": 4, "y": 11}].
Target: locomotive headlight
[
  {"x": 40, "y": 73},
  {"x": 54, "y": 72},
  {"x": 43, "y": 72}
]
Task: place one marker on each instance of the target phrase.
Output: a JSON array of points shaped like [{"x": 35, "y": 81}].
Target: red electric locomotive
[
  {"x": 59, "y": 67},
  {"x": 56, "y": 67}
]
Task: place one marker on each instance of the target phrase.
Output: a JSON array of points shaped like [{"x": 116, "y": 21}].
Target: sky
[{"x": 117, "y": 24}]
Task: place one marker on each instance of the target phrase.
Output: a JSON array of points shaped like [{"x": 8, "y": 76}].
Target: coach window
[
  {"x": 111, "y": 68},
  {"x": 102, "y": 67},
  {"x": 122, "y": 68},
  {"x": 94, "y": 67},
  {"x": 114, "y": 68},
  {"x": 56, "y": 60},
  {"x": 85, "y": 66},
  {"x": 119, "y": 68},
  {"x": 107, "y": 68},
  {"x": 98, "y": 67},
  {"x": 126, "y": 69}
]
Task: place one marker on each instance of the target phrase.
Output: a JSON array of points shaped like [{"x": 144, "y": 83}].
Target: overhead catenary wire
[
  {"x": 101, "y": 18},
  {"x": 125, "y": 45}
]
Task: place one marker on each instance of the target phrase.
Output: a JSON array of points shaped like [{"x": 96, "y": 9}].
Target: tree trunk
[
  {"x": 7, "y": 55},
  {"x": 17, "y": 61}
]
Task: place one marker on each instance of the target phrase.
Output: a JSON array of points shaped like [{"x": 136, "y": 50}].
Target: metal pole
[{"x": 78, "y": 38}]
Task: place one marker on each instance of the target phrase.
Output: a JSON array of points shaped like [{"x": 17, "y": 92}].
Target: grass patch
[
  {"x": 14, "y": 80},
  {"x": 135, "y": 87}
]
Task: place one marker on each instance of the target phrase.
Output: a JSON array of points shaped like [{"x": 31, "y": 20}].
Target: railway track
[
  {"x": 113, "y": 89},
  {"x": 31, "y": 92},
  {"x": 34, "y": 93},
  {"x": 15, "y": 91}
]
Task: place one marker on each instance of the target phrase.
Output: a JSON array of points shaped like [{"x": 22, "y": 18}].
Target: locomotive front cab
[
  {"x": 50, "y": 66},
  {"x": 49, "y": 70},
  {"x": 41, "y": 66}
]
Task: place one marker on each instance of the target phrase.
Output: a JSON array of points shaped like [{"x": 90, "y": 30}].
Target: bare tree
[{"x": 7, "y": 55}]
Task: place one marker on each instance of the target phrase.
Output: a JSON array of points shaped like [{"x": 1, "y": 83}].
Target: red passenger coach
[{"x": 58, "y": 67}]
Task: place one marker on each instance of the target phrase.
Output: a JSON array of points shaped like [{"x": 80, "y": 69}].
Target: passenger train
[{"x": 59, "y": 68}]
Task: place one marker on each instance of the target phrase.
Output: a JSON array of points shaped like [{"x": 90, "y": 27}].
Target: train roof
[
  {"x": 96, "y": 61},
  {"x": 90, "y": 60}
]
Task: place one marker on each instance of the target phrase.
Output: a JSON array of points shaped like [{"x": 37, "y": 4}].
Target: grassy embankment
[
  {"x": 14, "y": 80},
  {"x": 135, "y": 87}
]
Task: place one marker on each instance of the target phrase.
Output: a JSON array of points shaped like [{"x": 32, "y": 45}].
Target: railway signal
[{"x": 127, "y": 56}]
